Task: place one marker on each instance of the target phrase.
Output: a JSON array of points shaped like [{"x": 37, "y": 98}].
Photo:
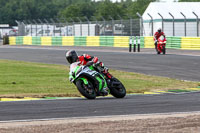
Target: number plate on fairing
[{"x": 88, "y": 71}]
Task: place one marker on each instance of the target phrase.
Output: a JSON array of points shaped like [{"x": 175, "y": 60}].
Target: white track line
[{"x": 112, "y": 117}]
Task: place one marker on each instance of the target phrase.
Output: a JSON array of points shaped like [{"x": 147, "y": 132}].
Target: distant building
[{"x": 189, "y": 9}]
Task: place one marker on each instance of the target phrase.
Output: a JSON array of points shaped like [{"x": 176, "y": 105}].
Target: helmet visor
[{"x": 70, "y": 60}]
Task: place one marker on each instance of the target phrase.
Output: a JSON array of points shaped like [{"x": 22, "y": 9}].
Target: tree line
[{"x": 11, "y": 10}]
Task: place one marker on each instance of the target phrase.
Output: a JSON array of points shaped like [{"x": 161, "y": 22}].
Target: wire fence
[
  {"x": 176, "y": 27},
  {"x": 173, "y": 26},
  {"x": 130, "y": 27}
]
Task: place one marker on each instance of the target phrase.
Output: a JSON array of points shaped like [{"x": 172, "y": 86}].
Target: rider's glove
[
  {"x": 106, "y": 70},
  {"x": 89, "y": 63},
  {"x": 99, "y": 64},
  {"x": 71, "y": 79}
]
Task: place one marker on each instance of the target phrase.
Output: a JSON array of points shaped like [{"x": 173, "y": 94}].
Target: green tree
[
  {"x": 107, "y": 9},
  {"x": 11, "y": 10},
  {"x": 189, "y": 0},
  {"x": 78, "y": 10},
  {"x": 138, "y": 6}
]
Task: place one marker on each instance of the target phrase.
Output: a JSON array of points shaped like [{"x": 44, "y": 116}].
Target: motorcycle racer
[
  {"x": 157, "y": 36},
  {"x": 86, "y": 59},
  {"x": 161, "y": 44}
]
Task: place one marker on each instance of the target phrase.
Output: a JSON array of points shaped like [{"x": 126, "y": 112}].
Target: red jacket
[
  {"x": 85, "y": 58},
  {"x": 157, "y": 35}
]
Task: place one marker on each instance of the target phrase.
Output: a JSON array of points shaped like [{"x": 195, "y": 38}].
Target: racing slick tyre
[
  {"x": 164, "y": 50},
  {"x": 158, "y": 52},
  {"x": 117, "y": 89},
  {"x": 87, "y": 91}
]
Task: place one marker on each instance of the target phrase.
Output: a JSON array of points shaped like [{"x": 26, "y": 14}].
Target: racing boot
[{"x": 104, "y": 91}]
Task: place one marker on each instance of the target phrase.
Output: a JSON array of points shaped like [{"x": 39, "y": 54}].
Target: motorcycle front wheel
[
  {"x": 117, "y": 89},
  {"x": 87, "y": 91},
  {"x": 164, "y": 50}
]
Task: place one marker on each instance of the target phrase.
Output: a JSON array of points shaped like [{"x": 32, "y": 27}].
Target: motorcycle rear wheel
[
  {"x": 87, "y": 91},
  {"x": 157, "y": 50}
]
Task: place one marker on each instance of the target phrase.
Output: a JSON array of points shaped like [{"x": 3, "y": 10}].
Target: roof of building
[{"x": 187, "y": 8}]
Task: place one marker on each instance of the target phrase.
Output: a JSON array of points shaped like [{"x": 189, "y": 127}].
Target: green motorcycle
[{"x": 90, "y": 83}]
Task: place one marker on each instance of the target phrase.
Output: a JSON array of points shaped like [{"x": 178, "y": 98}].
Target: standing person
[{"x": 157, "y": 36}]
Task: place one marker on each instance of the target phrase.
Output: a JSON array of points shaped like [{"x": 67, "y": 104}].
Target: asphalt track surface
[
  {"x": 176, "y": 64},
  {"x": 179, "y": 64},
  {"x": 145, "y": 104}
]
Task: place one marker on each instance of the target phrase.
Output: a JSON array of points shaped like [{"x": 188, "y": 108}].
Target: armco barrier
[
  {"x": 27, "y": 40},
  {"x": 121, "y": 41},
  {"x": 173, "y": 42},
  {"x": 148, "y": 42},
  {"x": 92, "y": 41},
  {"x": 19, "y": 40},
  {"x": 111, "y": 41},
  {"x": 80, "y": 41},
  {"x": 36, "y": 40},
  {"x": 57, "y": 41},
  {"x": 68, "y": 41},
  {"x": 107, "y": 41},
  {"x": 141, "y": 39},
  {"x": 46, "y": 41},
  {"x": 190, "y": 43},
  {"x": 12, "y": 40}
]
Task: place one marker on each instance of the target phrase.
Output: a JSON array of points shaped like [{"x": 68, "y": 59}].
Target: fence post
[
  {"x": 47, "y": 26},
  {"x": 18, "y": 26},
  {"x": 197, "y": 23},
  {"x": 131, "y": 25},
  {"x": 112, "y": 25},
  {"x": 25, "y": 28},
  {"x": 73, "y": 26},
  {"x": 31, "y": 26},
  {"x": 152, "y": 23},
  {"x": 121, "y": 20},
  {"x": 104, "y": 23},
  {"x": 141, "y": 23},
  {"x": 41, "y": 26},
  {"x": 185, "y": 23},
  {"x": 162, "y": 21},
  {"x": 59, "y": 24},
  {"x": 53, "y": 22},
  {"x": 21, "y": 28},
  {"x": 173, "y": 24},
  {"x": 80, "y": 24},
  {"x": 88, "y": 25},
  {"x": 36, "y": 25},
  {"x": 66, "y": 22},
  {"x": 95, "y": 19}
]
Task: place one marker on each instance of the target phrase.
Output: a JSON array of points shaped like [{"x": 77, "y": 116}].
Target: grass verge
[{"x": 24, "y": 79}]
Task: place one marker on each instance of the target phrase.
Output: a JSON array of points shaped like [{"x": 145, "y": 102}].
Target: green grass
[{"x": 23, "y": 79}]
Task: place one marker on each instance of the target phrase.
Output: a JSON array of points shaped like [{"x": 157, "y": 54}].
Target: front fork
[{"x": 102, "y": 82}]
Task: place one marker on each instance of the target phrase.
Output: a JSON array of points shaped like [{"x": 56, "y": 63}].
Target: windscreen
[{"x": 74, "y": 65}]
